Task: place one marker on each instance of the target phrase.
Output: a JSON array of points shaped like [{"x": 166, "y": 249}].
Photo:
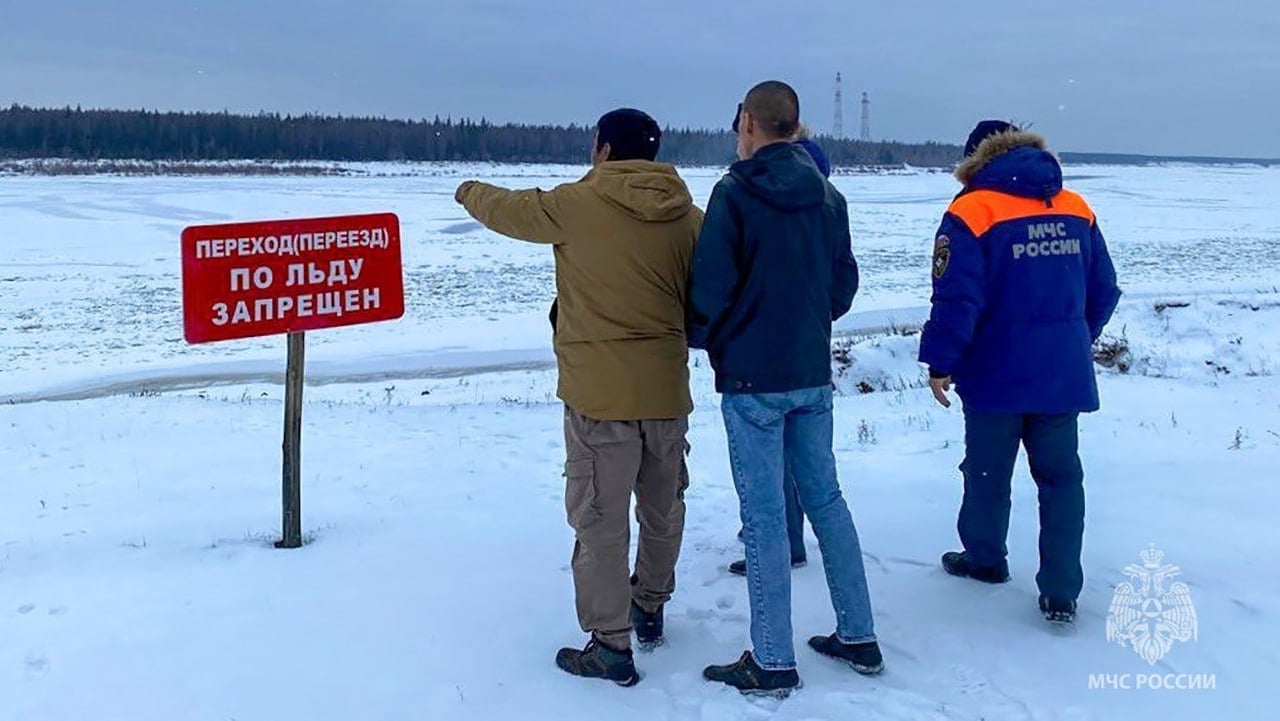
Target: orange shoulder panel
[{"x": 982, "y": 209}]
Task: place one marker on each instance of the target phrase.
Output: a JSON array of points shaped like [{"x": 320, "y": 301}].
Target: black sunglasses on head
[{"x": 736, "y": 117}]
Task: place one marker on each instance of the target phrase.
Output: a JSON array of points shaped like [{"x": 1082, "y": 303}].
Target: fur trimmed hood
[{"x": 993, "y": 147}]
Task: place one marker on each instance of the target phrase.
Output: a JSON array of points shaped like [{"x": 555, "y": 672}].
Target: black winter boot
[
  {"x": 865, "y": 658},
  {"x": 648, "y": 627},
  {"x": 739, "y": 568},
  {"x": 747, "y": 676},
  {"x": 599, "y": 661},
  {"x": 1058, "y": 610},
  {"x": 958, "y": 564}
]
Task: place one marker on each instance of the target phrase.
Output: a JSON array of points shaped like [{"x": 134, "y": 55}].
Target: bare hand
[
  {"x": 461, "y": 192},
  {"x": 940, "y": 387}
]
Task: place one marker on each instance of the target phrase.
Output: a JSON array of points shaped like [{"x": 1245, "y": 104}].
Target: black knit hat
[
  {"x": 630, "y": 133},
  {"x": 984, "y": 130}
]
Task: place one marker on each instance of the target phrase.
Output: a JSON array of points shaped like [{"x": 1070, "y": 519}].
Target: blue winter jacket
[
  {"x": 1022, "y": 285},
  {"x": 773, "y": 268}
]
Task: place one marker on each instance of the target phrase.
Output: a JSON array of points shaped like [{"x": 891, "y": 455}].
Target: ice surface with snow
[{"x": 140, "y": 486}]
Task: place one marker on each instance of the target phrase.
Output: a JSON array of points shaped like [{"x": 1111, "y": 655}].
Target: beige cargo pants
[{"x": 608, "y": 461}]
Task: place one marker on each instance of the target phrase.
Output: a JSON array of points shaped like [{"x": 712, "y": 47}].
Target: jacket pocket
[
  {"x": 684, "y": 475},
  {"x": 580, "y": 491}
]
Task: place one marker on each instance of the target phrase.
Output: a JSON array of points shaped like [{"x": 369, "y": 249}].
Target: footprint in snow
[{"x": 36, "y": 664}]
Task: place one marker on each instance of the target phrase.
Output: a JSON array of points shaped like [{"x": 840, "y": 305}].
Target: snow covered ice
[{"x": 140, "y": 489}]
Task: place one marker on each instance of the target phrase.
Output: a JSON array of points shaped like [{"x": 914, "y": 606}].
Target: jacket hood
[
  {"x": 1015, "y": 162},
  {"x": 648, "y": 191},
  {"x": 782, "y": 175}
]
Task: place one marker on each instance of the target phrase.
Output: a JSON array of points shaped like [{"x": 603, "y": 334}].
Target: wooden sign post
[{"x": 291, "y": 503}]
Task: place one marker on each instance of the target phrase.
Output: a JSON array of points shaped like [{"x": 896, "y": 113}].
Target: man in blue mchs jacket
[
  {"x": 772, "y": 269},
  {"x": 1022, "y": 287}
]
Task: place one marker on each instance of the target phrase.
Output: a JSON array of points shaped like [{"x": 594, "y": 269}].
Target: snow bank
[
  {"x": 1194, "y": 337},
  {"x": 1197, "y": 337},
  {"x": 883, "y": 363}
]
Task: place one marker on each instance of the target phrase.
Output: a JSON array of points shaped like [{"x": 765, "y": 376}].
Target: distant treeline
[
  {"x": 144, "y": 135},
  {"x": 1129, "y": 159}
]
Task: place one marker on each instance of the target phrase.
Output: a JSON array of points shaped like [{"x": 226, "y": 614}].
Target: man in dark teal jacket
[
  {"x": 772, "y": 270},
  {"x": 795, "y": 514}
]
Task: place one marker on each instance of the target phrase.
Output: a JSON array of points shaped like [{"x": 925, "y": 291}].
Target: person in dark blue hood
[
  {"x": 815, "y": 152},
  {"x": 1022, "y": 287},
  {"x": 772, "y": 270}
]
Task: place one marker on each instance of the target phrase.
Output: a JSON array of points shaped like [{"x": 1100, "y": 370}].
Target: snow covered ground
[{"x": 137, "y": 579}]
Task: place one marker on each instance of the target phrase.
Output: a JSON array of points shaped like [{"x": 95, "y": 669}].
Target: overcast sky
[{"x": 1172, "y": 77}]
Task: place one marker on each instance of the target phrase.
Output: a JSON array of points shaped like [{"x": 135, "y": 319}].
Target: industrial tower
[
  {"x": 865, "y": 135},
  {"x": 837, "y": 127}
]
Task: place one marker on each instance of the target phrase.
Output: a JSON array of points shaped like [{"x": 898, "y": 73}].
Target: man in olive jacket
[{"x": 623, "y": 237}]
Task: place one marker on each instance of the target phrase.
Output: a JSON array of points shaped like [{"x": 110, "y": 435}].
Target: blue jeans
[
  {"x": 991, "y": 443},
  {"x": 768, "y": 434}
]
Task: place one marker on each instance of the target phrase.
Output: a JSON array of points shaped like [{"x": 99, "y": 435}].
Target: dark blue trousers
[{"x": 991, "y": 443}]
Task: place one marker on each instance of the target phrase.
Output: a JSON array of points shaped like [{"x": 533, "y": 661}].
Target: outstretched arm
[{"x": 532, "y": 215}]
